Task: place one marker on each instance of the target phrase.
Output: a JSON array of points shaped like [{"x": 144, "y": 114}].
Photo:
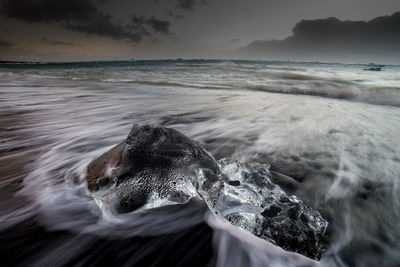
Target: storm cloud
[
  {"x": 333, "y": 36},
  {"x": 139, "y": 23},
  {"x": 201, "y": 29},
  {"x": 189, "y": 4},
  {"x": 48, "y": 11},
  {"x": 80, "y": 15}
]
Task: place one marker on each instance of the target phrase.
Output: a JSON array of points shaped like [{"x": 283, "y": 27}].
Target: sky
[{"x": 77, "y": 30}]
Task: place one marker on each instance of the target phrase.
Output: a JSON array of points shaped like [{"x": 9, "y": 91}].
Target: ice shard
[{"x": 157, "y": 166}]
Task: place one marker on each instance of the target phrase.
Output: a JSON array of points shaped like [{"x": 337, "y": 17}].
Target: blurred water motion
[{"x": 331, "y": 129}]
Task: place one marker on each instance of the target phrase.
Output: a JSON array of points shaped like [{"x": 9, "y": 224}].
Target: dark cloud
[
  {"x": 141, "y": 23},
  {"x": 174, "y": 15},
  {"x": 235, "y": 40},
  {"x": 160, "y": 26},
  {"x": 48, "y": 11},
  {"x": 5, "y": 44},
  {"x": 79, "y": 15},
  {"x": 333, "y": 36},
  {"x": 52, "y": 41},
  {"x": 104, "y": 26},
  {"x": 189, "y": 4}
]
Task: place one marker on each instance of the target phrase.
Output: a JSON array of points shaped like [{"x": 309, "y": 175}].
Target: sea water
[{"x": 331, "y": 129}]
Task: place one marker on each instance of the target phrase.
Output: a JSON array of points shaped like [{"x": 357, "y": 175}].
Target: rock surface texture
[{"x": 158, "y": 166}]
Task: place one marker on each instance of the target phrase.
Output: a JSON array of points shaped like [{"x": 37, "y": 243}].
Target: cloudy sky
[{"x": 70, "y": 30}]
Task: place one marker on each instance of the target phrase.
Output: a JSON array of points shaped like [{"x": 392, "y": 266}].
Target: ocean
[{"x": 333, "y": 128}]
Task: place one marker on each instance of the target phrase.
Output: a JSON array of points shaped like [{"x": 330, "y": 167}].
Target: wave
[
  {"x": 373, "y": 95},
  {"x": 312, "y": 78},
  {"x": 112, "y": 80},
  {"x": 338, "y": 81},
  {"x": 168, "y": 83}
]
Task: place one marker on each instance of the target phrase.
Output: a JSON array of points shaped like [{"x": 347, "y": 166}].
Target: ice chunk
[
  {"x": 158, "y": 166},
  {"x": 249, "y": 200}
]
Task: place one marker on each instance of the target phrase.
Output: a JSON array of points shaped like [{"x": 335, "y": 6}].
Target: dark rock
[{"x": 234, "y": 183}]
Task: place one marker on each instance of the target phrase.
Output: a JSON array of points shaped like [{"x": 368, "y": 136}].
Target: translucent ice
[{"x": 158, "y": 166}]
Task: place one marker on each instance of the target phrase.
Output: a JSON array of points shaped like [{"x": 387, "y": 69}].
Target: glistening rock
[{"x": 155, "y": 166}]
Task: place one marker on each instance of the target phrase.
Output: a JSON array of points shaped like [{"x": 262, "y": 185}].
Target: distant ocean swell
[
  {"x": 332, "y": 89},
  {"x": 375, "y": 95},
  {"x": 340, "y": 81}
]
